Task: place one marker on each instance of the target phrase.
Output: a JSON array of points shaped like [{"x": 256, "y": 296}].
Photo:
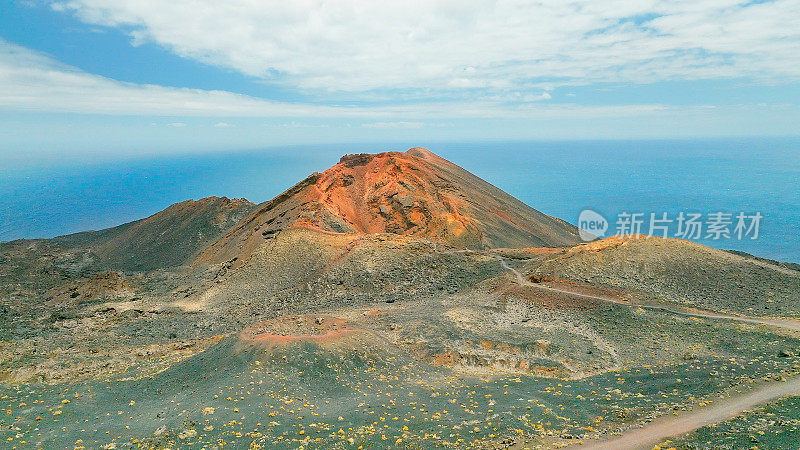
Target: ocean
[{"x": 560, "y": 178}]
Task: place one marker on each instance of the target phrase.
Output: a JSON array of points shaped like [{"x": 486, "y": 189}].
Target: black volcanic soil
[{"x": 166, "y": 239}]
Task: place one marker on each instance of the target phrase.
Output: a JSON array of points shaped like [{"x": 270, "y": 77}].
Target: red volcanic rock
[
  {"x": 413, "y": 193},
  {"x": 289, "y": 329}
]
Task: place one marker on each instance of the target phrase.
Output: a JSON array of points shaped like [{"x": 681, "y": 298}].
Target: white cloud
[
  {"x": 360, "y": 46},
  {"x": 294, "y": 124},
  {"x": 399, "y": 124},
  {"x": 176, "y": 125},
  {"x": 33, "y": 82},
  {"x": 222, "y": 125},
  {"x": 30, "y": 81}
]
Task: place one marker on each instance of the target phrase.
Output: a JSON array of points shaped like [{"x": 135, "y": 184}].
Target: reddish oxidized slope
[
  {"x": 396, "y": 193},
  {"x": 412, "y": 193}
]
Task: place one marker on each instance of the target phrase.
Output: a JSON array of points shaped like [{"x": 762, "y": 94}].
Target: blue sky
[{"x": 92, "y": 78}]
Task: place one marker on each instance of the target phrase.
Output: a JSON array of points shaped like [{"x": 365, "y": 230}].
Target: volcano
[
  {"x": 413, "y": 193},
  {"x": 354, "y": 301}
]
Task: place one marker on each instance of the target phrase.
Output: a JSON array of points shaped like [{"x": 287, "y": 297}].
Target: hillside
[
  {"x": 166, "y": 239},
  {"x": 415, "y": 193},
  {"x": 678, "y": 270},
  {"x": 382, "y": 303}
]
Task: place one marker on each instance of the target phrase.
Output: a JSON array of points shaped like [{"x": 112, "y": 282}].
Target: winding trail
[
  {"x": 667, "y": 427},
  {"x": 780, "y": 323},
  {"x": 671, "y": 426}
]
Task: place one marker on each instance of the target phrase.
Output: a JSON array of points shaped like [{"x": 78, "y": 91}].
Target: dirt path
[
  {"x": 657, "y": 431},
  {"x": 667, "y": 427},
  {"x": 780, "y": 323},
  {"x": 521, "y": 280}
]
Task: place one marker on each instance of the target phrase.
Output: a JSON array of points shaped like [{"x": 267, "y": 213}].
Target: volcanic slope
[
  {"x": 674, "y": 270},
  {"x": 330, "y": 318},
  {"x": 415, "y": 193},
  {"x": 166, "y": 239}
]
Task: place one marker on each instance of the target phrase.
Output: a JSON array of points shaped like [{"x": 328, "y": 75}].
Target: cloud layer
[
  {"x": 455, "y": 45},
  {"x": 30, "y": 81}
]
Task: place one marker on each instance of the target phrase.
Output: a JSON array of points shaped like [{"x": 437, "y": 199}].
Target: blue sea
[{"x": 560, "y": 178}]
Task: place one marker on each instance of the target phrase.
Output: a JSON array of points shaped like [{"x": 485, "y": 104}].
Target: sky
[{"x": 103, "y": 79}]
